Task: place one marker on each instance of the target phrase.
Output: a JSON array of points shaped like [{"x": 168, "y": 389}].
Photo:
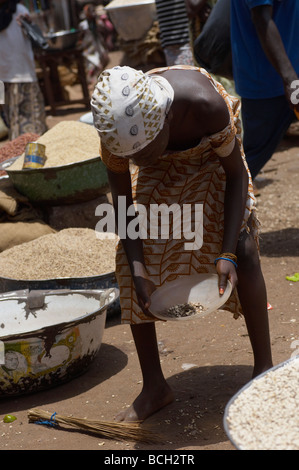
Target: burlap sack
[
  {"x": 15, "y": 233},
  {"x": 20, "y": 222}
]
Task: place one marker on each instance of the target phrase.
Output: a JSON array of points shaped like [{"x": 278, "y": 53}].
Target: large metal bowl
[
  {"x": 132, "y": 19},
  {"x": 67, "y": 184},
  {"x": 50, "y": 339},
  {"x": 102, "y": 281},
  {"x": 255, "y": 424},
  {"x": 62, "y": 39}
]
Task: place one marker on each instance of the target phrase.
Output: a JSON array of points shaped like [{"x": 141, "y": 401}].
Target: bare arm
[
  {"x": 217, "y": 118},
  {"x": 235, "y": 198},
  {"x": 270, "y": 39},
  {"x": 235, "y": 191},
  {"x": 234, "y": 209},
  {"x": 120, "y": 185}
]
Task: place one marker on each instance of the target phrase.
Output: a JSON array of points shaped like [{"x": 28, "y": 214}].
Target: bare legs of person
[
  {"x": 156, "y": 393},
  {"x": 253, "y": 298}
]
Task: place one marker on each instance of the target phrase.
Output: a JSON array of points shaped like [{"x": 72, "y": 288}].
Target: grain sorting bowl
[
  {"x": 197, "y": 288},
  {"x": 49, "y": 337},
  {"x": 263, "y": 415},
  {"x": 66, "y": 184}
]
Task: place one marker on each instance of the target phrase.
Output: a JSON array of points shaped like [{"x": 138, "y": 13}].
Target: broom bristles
[{"x": 111, "y": 430}]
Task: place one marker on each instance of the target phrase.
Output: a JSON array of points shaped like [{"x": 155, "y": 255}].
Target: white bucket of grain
[{"x": 263, "y": 415}]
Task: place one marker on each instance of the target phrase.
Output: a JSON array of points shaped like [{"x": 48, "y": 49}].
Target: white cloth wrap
[{"x": 129, "y": 108}]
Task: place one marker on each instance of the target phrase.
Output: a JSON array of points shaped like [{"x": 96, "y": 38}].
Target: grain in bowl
[
  {"x": 264, "y": 415},
  {"x": 67, "y": 142}
]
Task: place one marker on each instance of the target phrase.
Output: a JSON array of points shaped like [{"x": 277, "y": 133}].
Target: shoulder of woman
[{"x": 212, "y": 111}]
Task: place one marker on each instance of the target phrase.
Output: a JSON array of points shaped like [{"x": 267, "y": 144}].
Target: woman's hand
[
  {"x": 226, "y": 271},
  {"x": 144, "y": 289}
]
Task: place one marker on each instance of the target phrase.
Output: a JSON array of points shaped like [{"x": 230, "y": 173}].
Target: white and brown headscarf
[{"x": 129, "y": 108}]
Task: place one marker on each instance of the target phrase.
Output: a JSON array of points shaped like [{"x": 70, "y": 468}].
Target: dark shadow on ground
[{"x": 280, "y": 243}]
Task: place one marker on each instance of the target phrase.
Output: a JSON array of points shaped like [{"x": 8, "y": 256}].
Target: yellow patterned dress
[{"x": 193, "y": 176}]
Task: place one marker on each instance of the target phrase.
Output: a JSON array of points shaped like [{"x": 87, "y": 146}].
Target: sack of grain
[
  {"x": 13, "y": 234},
  {"x": 20, "y": 222}
]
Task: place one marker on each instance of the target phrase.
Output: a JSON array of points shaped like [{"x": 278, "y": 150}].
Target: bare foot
[{"x": 146, "y": 404}]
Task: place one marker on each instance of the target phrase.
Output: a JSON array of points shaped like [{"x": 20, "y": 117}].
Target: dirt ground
[{"x": 205, "y": 361}]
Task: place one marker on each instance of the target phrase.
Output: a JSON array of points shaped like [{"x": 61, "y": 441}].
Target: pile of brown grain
[
  {"x": 74, "y": 252},
  {"x": 67, "y": 142}
]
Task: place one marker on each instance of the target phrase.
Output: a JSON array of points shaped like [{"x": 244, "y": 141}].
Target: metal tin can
[{"x": 35, "y": 155}]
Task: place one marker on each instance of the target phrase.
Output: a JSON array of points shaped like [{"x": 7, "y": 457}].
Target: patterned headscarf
[{"x": 129, "y": 108}]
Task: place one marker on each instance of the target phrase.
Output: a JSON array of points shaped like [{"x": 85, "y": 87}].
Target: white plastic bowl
[
  {"x": 201, "y": 288},
  {"x": 132, "y": 19}
]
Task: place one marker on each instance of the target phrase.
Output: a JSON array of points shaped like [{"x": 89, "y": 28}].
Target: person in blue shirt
[{"x": 265, "y": 52}]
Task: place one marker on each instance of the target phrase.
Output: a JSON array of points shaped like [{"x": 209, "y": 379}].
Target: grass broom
[{"x": 106, "y": 429}]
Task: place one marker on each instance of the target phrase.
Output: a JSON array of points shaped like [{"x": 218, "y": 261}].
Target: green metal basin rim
[{"x": 51, "y": 168}]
